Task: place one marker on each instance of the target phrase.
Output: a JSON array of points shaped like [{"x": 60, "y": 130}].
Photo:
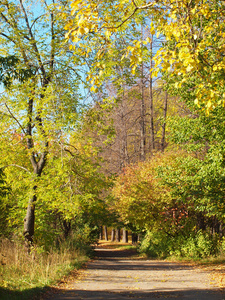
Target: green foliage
[
  {"x": 36, "y": 115},
  {"x": 177, "y": 198},
  {"x": 156, "y": 244},
  {"x": 5, "y": 205},
  {"x": 196, "y": 245},
  {"x": 10, "y": 71},
  {"x": 70, "y": 195}
]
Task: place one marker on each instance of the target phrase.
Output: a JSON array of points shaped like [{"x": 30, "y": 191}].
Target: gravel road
[{"x": 116, "y": 275}]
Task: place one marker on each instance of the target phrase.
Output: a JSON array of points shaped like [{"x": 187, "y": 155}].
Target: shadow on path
[
  {"x": 117, "y": 275},
  {"x": 98, "y": 295},
  {"x": 114, "y": 254}
]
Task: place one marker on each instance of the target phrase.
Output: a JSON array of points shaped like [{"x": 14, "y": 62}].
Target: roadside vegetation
[{"x": 23, "y": 275}]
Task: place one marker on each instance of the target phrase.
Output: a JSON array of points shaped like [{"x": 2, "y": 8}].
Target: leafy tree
[
  {"x": 204, "y": 137},
  {"x": 9, "y": 70},
  {"x": 193, "y": 32},
  {"x": 40, "y": 109},
  {"x": 192, "y": 56},
  {"x": 140, "y": 199}
]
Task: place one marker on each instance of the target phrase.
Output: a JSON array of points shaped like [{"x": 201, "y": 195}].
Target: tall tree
[{"x": 41, "y": 107}]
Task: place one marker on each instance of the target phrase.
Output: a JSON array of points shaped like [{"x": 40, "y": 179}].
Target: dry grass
[{"x": 20, "y": 271}]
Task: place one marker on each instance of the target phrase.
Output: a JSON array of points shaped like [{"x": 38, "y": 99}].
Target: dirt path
[{"x": 115, "y": 275}]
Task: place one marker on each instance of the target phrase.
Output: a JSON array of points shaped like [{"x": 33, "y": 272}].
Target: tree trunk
[
  {"x": 117, "y": 234},
  {"x": 29, "y": 221},
  {"x": 164, "y": 123},
  {"x": 125, "y": 235},
  {"x": 101, "y": 233},
  {"x": 201, "y": 221},
  {"x": 124, "y": 159},
  {"x": 113, "y": 233},
  {"x": 142, "y": 112},
  {"x": 105, "y": 233},
  {"x": 152, "y": 135},
  {"x": 134, "y": 238},
  {"x": 142, "y": 121},
  {"x": 66, "y": 228}
]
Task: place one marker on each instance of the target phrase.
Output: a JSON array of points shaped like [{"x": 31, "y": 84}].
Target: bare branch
[
  {"x": 6, "y": 36},
  {"x": 33, "y": 42},
  {"x": 11, "y": 114},
  {"x": 36, "y": 20},
  {"x": 125, "y": 20},
  {"x": 150, "y": 5},
  {"x": 67, "y": 150}
]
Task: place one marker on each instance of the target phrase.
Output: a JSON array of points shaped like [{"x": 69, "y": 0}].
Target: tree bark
[
  {"x": 113, "y": 233},
  {"x": 142, "y": 121},
  {"x": 152, "y": 134},
  {"x": 117, "y": 234},
  {"x": 101, "y": 233},
  {"x": 66, "y": 228},
  {"x": 134, "y": 238},
  {"x": 125, "y": 235},
  {"x": 164, "y": 123},
  {"x": 29, "y": 222},
  {"x": 105, "y": 233}
]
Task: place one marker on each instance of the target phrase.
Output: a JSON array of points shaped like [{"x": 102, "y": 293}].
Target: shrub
[{"x": 198, "y": 245}]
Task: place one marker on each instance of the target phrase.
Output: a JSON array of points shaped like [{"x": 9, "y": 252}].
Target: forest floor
[{"x": 119, "y": 274}]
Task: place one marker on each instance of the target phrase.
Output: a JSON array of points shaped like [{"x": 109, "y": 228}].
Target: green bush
[
  {"x": 198, "y": 245},
  {"x": 155, "y": 244}
]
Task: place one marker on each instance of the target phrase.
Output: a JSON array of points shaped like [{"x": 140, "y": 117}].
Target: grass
[{"x": 23, "y": 275}]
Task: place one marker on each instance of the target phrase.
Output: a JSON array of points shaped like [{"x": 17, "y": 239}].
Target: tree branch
[
  {"x": 150, "y": 5},
  {"x": 11, "y": 114},
  {"x": 33, "y": 43},
  {"x": 14, "y": 165},
  {"x": 6, "y": 36}
]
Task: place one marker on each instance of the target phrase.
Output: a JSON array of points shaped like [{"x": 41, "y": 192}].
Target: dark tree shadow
[
  {"x": 28, "y": 294},
  {"x": 154, "y": 295}
]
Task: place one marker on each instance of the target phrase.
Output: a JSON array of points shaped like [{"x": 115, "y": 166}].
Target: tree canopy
[{"x": 191, "y": 54}]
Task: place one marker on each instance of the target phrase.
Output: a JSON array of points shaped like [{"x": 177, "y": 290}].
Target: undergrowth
[
  {"x": 23, "y": 274},
  {"x": 196, "y": 246}
]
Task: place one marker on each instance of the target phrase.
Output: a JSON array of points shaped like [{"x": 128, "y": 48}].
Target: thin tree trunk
[
  {"x": 142, "y": 120},
  {"x": 152, "y": 135},
  {"x": 66, "y": 228},
  {"x": 125, "y": 235},
  {"x": 164, "y": 123},
  {"x": 134, "y": 238},
  {"x": 117, "y": 234},
  {"x": 124, "y": 149},
  {"x": 113, "y": 233},
  {"x": 105, "y": 233},
  {"x": 101, "y": 233}
]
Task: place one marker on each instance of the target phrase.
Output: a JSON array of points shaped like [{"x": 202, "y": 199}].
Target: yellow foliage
[{"x": 194, "y": 29}]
